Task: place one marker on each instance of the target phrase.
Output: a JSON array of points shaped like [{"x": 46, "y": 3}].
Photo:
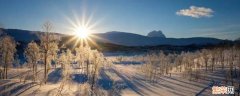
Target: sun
[
  {"x": 82, "y": 29},
  {"x": 82, "y": 32}
]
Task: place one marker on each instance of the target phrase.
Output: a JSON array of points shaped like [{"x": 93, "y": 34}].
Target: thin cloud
[{"x": 196, "y": 12}]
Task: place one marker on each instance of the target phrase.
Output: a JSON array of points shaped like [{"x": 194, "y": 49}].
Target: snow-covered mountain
[{"x": 120, "y": 38}]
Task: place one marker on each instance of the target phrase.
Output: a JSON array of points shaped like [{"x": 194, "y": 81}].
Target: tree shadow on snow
[
  {"x": 79, "y": 78},
  {"x": 55, "y": 76},
  {"x": 105, "y": 82},
  {"x": 128, "y": 63},
  {"x": 128, "y": 83}
]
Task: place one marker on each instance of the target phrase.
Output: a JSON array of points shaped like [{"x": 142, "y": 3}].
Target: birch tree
[
  {"x": 98, "y": 60},
  {"x": 83, "y": 56},
  {"x": 67, "y": 60},
  {"x": 7, "y": 51},
  {"x": 49, "y": 46},
  {"x": 205, "y": 57},
  {"x": 214, "y": 57},
  {"x": 32, "y": 54},
  {"x": 178, "y": 62}
]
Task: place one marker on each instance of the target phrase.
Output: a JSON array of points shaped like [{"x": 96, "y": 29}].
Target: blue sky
[{"x": 176, "y": 18}]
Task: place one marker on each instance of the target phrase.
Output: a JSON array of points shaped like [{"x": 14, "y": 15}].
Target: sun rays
[{"x": 82, "y": 29}]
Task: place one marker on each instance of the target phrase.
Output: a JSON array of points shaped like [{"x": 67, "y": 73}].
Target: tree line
[
  {"x": 51, "y": 55},
  {"x": 195, "y": 65}
]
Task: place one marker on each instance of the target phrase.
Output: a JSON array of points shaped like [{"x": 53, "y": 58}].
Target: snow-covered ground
[{"x": 120, "y": 78}]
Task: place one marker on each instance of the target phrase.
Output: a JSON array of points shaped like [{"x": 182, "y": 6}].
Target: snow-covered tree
[
  {"x": 7, "y": 51},
  {"x": 83, "y": 56},
  {"x": 98, "y": 60},
  {"x": 221, "y": 56},
  {"x": 49, "y": 46},
  {"x": 66, "y": 58},
  {"x": 214, "y": 56},
  {"x": 178, "y": 62},
  {"x": 156, "y": 65},
  {"x": 32, "y": 54},
  {"x": 205, "y": 56},
  {"x": 62, "y": 59},
  {"x": 189, "y": 64},
  {"x": 232, "y": 58}
]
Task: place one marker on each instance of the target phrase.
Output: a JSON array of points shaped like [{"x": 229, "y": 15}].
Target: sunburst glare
[
  {"x": 82, "y": 28},
  {"x": 82, "y": 32}
]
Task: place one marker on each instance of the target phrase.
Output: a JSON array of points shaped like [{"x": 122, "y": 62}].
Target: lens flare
[{"x": 82, "y": 28}]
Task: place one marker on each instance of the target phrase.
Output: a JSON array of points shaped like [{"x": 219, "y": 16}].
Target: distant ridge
[
  {"x": 120, "y": 38},
  {"x": 131, "y": 39},
  {"x": 24, "y": 35}
]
